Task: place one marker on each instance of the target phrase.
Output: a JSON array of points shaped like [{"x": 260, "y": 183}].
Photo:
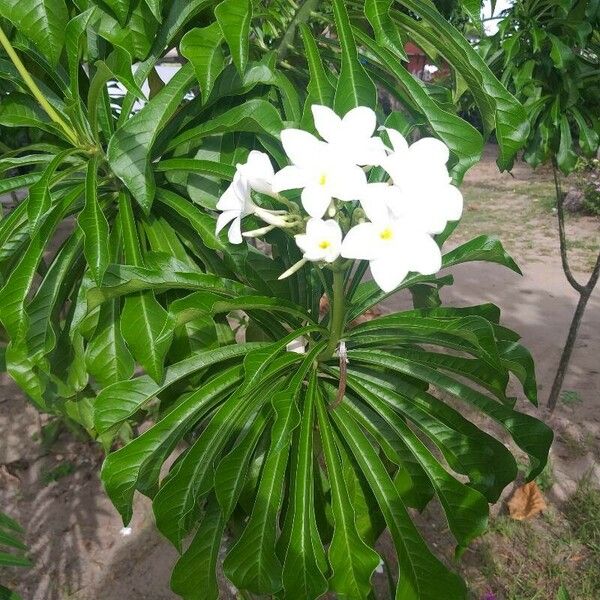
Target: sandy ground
[{"x": 74, "y": 532}]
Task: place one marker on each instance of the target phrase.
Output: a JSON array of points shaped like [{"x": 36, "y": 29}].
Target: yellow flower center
[
  {"x": 386, "y": 234},
  {"x": 323, "y": 179},
  {"x": 324, "y": 245}
]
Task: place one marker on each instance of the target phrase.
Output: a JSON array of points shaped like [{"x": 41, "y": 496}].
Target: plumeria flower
[
  {"x": 352, "y": 136},
  {"x": 428, "y": 199},
  {"x": 321, "y": 173},
  {"x": 322, "y": 241},
  {"x": 259, "y": 172},
  {"x": 235, "y": 203},
  {"x": 393, "y": 249}
]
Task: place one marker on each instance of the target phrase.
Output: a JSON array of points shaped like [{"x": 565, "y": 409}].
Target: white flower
[
  {"x": 126, "y": 531},
  {"x": 321, "y": 242},
  {"x": 393, "y": 249},
  {"x": 235, "y": 203},
  {"x": 427, "y": 198},
  {"x": 259, "y": 172},
  {"x": 352, "y": 136},
  {"x": 320, "y": 173}
]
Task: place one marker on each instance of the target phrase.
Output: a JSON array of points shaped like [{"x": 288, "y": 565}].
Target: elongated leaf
[
  {"x": 254, "y": 116},
  {"x": 129, "y": 150},
  {"x": 461, "y": 137},
  {"x": 305, "y": 562},
  {"x": 202, "y": 47},
  {"x": 355, "y": 87},
  {"x": 386, "y": 30},
  {"x": 119, "y": 401},
  {"x": 352, "y": 561},
  {"x": 94, "y": 226},
  {"x": 194, "y": 576},
  {"x": 233, "y": 17},
  {"x": 320, "y": 89},
  {"x": 122, "y": 469},
  {"x": 42, "y": 21},
  {"x": 422, "y": 576}
]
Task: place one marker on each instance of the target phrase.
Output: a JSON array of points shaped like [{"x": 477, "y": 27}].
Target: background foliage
[{"x": 116, "y": 290}]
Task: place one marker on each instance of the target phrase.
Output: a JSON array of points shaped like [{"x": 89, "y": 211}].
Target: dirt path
[{"x": 75, "y": 534}]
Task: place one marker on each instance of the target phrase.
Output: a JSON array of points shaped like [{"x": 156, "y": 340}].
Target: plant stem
[
  {"x": 584, "y": 291},
  {"x": 338, "y": 314},
  {"x": 35, "y": 90}
]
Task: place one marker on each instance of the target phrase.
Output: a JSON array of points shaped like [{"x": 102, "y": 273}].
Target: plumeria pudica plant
[{"x": 168, "y": 262}]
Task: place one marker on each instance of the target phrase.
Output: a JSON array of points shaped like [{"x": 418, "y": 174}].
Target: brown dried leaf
[{"x": 526, "y": 502}]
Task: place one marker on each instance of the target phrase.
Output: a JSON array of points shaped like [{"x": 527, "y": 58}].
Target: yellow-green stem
[
  {"x": 35, "y": 90},
  {"x": 337, "y": 319}
]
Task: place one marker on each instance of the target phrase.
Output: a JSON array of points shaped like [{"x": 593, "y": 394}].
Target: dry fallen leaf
[{"x": 526, "y": 502}]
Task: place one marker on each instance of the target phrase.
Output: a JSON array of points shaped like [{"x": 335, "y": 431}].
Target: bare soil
[{"x": 80, "y": 552}]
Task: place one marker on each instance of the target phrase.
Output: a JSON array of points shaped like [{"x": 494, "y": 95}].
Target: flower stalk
[{"x": 338, "y": 315}]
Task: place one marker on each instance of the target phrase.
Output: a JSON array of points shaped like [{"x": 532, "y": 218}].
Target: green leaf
[
  {"x": 19, "y": 110},
  {"x": 386, "y": 31},
  {"x": 11, "y": 560},
  {"x": 305, "y": 563},
  {"x": 531, "y": 435},
  {"x": 465, "y": 508},
  {"x": 94, "y": 225},
  {"x": 320, "y": 89},
  {"x": 588, "y": 138},
  {"x": 123, "y": 469},
  {"x": 234, "y": 17},
  {"x": 120, "y": 8},
  {"x": 355, "y": 87},
  {"x": 498, "y": 108},
  {"x": 73, "y": 36},
  {"x": 254, "y": 116},
  {"x": 119, "y": 401},
  {"x": 202, "y": 47},
  {"x": 352, "y": 561},
  {"x": 422, "y": 575},
  {"x": 42, "y": 21},
  {"x": 481, "y": 248},
  {"x": 129, "y": 150},
  {"x": 462, "y": 138},
  {"x": 566, "y": 157},
  {"x": 194, "y": 576}
]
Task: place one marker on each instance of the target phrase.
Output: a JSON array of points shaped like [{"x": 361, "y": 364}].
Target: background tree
[{"x": 547, "y": 52}]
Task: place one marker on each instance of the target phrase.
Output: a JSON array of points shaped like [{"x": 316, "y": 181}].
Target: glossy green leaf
[
  {"x": 42, "y": 21},
  {"x": 355, "y": 87},
  {"x": 233, "y": 17},
  {"x": 202, "y": 47},
  {"x": 352, "y": 561},
  {"x": 129, "y": 150},
  {"x": 320, "y": 89},
  {"x": 386, "y": 30}
]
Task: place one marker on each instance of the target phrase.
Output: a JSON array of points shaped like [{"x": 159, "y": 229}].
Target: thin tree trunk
[{"x": 584, "y": 291}]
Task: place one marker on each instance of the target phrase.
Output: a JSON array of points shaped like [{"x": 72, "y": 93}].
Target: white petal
[
  {"x": 315, "y": 200},
  {"x": 359, "y": 123},
  {"x": 327, "y": 123},
  {"x": 454, "y": 203},
  {"x": 346, "y": 182},
  {"x": 371, "y": 152},
  {"x": 398, "y": 141},
  {"x": 374, "y": 201},
  {"x": 289, "y": 178},
  {"x": 303, "y": 148},
  {"x": 389, "y": 272},
  {"x": 303, "y": 241},
  {"x": 425, "y": 255},
  {"x": 236, "y": 195},
  {"x": 234, "y": 234},
  {"x": 225, "y": 218},
  {"x": 431, "y": 149},
  {"x": 259, "y": 172},
  {"x": 362, "y": 242},
  {"x": 333, "y": 231}
]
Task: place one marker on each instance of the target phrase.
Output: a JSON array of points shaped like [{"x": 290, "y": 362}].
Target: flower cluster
[{"x": 351, "y": 212}]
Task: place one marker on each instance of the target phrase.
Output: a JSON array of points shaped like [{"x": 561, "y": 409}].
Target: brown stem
[{"x": 584, "y": 291}]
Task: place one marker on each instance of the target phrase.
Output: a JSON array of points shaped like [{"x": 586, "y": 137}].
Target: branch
[
  {"x": 561, "y": 233},
  {"x": 301, "y": 16}
]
